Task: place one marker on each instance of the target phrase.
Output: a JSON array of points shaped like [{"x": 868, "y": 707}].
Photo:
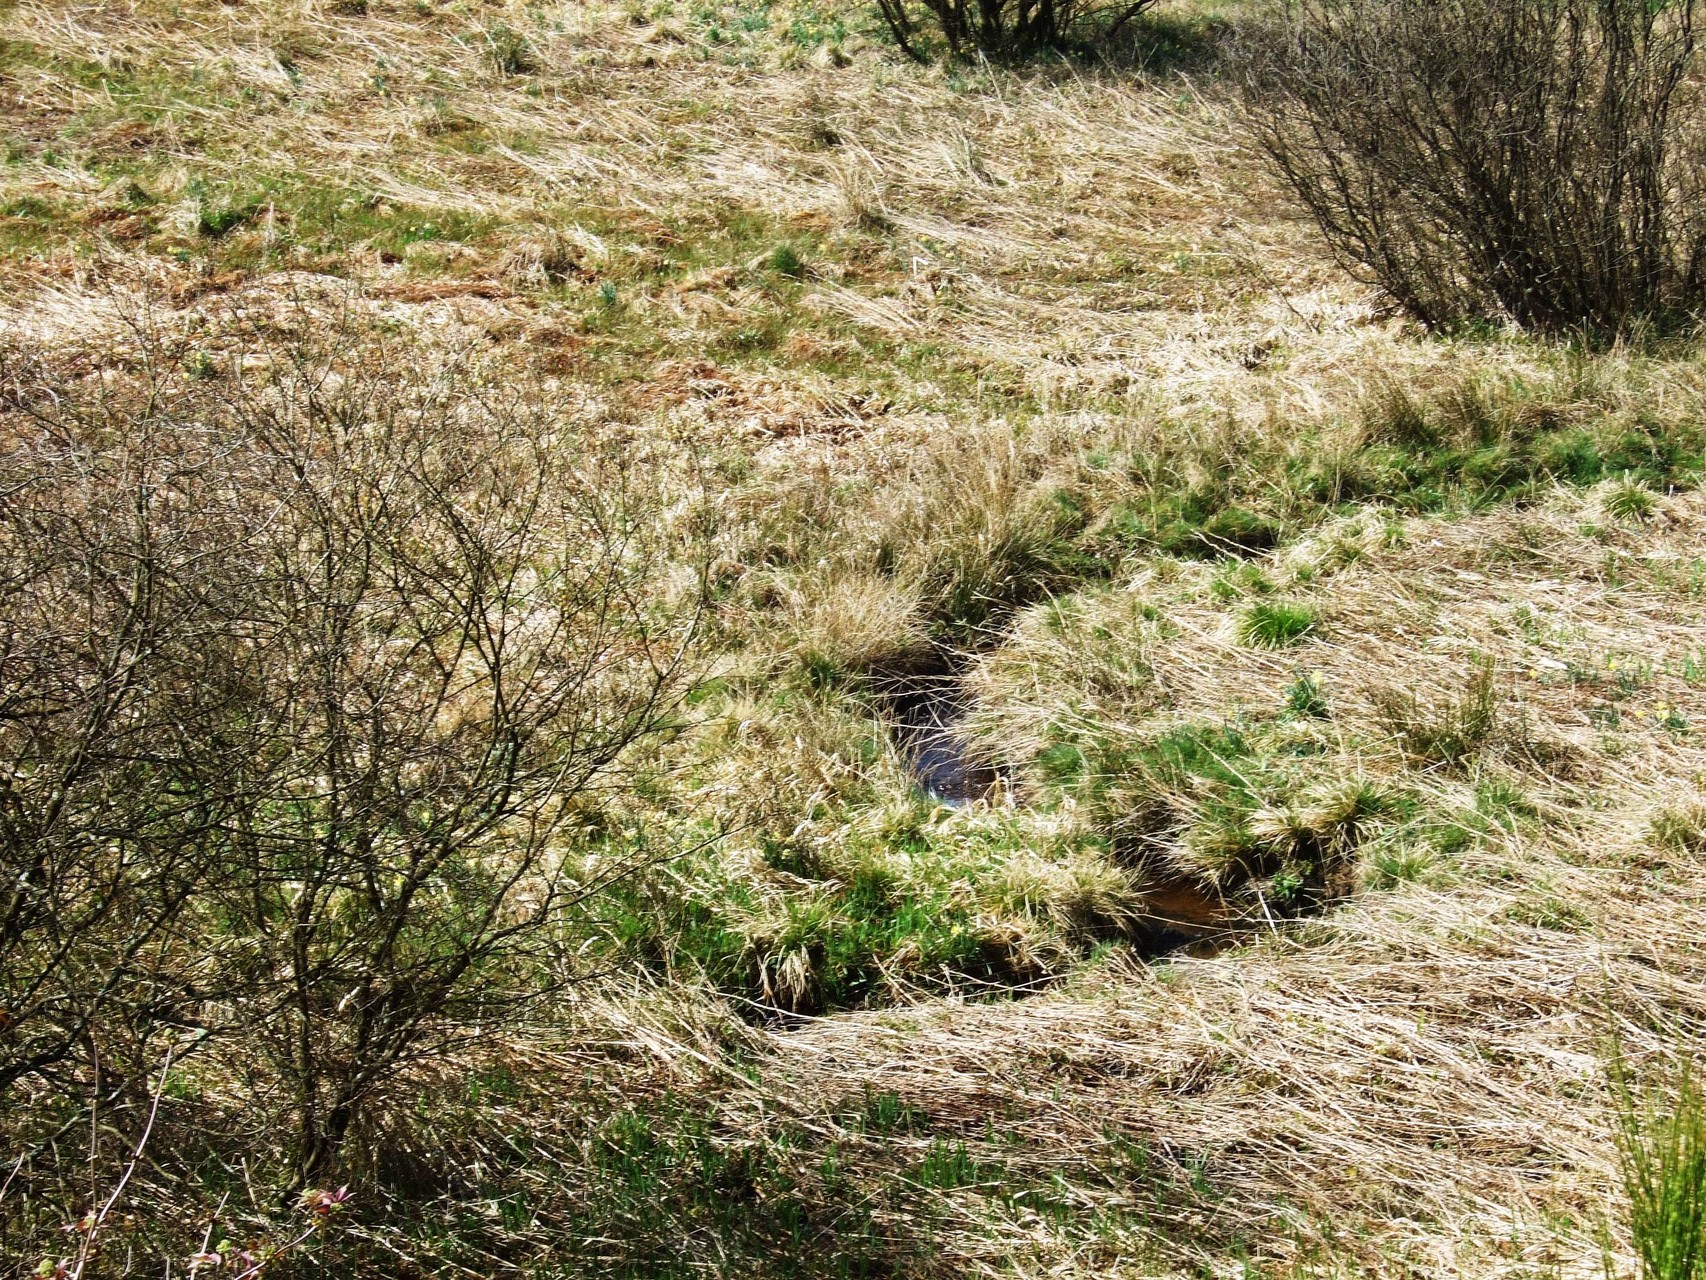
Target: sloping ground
[
  {"x": 1028, "y": 366},
  {"x": 1057, "y": 236},
  {"x": 1412, "y": 1084}
]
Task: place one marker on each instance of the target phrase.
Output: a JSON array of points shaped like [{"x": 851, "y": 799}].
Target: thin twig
[{"x": 93, "y": 1227}]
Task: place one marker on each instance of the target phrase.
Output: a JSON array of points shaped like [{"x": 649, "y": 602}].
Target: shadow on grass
[
  {"x": 1156, "y": 46},
  {"x": 1161, "y": 46}
]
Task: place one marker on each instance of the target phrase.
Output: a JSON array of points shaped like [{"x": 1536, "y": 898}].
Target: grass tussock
[
  {"x": 1274, "y": 625},
  {"x": 1661, "y": 1144},
  {"x": 1451, "y": 731}
]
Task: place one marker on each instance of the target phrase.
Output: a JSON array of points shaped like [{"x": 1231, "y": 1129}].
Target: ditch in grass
[
  {"x": 859, "y": 893},
  {"x": 1188, "y": 837}
]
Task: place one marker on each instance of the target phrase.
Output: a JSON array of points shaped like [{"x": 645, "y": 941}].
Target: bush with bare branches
[
  {"x": 1006, "y": 28},
  {"x": 1531, "y": 161},
  {"x": 306, "y": 668}
]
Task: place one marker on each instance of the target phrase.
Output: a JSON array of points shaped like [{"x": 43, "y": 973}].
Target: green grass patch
[
  {"x": 1468, "y": 448},
  {"x": 1272, "y": 624},
  {"x": 838, "y": 944},
  {"x": 509, "y": 51},
  {"x": 1304, "y": 698},
  {"x": 1661, "y": 1147}
]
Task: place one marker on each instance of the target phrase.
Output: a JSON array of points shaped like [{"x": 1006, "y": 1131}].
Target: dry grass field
[{"x": 1345, "y": 684}]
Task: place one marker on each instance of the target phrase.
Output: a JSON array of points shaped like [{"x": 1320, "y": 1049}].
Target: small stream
[{"x": 926, "y": 713}]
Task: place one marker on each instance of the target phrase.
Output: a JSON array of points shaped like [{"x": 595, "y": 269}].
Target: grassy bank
[{"x": 1367, "y": 663}]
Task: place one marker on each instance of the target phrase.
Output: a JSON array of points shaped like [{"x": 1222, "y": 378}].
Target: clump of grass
[
  {"x": 983, "y": 528},
  {"x": 1290, "y": 851},
  {"x": 1661, "y": 1148},
  {"x": 1304, "y": 698},
  {"x": 1398, "y": 863},
  {"x": 511, "y": 52},
  {"x": 1447, "y": 732},
  {"x": 1228, "y": 808},
  {"x": 219, "y": 220},
  {"x": 853, "y": 624},
  {"x": 1394, "y": 415},
  {"x": 1272, "y": 624},
  {"x": 1198, "y": 522},
  {"x": 1680, "y": 828},
  {"x": 858, "y": 940},
  {"x": 1503, "y": 801},
  {"x": 1627, "y": 499},
  {"x": 785, "y": 260}
]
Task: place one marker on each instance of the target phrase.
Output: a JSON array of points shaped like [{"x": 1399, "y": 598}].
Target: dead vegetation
[{"x": 1367, "y": 665}]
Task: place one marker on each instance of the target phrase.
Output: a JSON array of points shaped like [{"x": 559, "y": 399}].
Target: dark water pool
[{"x": 927, "y": 713}]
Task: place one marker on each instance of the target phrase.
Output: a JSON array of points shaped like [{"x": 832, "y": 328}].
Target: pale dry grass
[
  {"x": 1417, "y": 1079},
  {"x": 856, "y": 623},
  {"x": 1071, "y": 265},
  {"x": 1063, "y": 234},
  {"x": 1577, "y": 612},
  {"x": 1413, "y": 1085}
]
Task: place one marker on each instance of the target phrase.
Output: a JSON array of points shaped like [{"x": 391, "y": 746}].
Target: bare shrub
[
  {"x": 115, "y": 689},
  {"x": 1006, "y": 28},
  {"x": 1536, "y": 161},
  {"x": 305, "y": 670}
]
